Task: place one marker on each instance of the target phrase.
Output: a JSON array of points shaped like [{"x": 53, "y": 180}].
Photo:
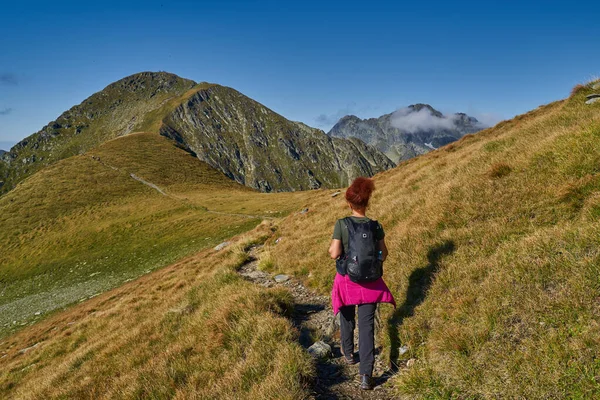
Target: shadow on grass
[{"x": 419, "y": 283}]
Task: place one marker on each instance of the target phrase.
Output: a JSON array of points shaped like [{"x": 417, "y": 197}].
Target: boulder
[
  {"x": 320, "y": 350},
  {"x": 221, "y": 246},
  {"x": 281, "y": 278}
]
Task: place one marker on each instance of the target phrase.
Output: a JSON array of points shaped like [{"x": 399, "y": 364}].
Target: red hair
[{"x": 359, "y": 193}]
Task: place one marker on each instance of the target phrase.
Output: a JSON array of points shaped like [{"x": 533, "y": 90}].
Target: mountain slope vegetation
[
  {"x": 90, "y": 222},
  {"x": 195, "y": 329},
  {"x": 117, "y": 110}
]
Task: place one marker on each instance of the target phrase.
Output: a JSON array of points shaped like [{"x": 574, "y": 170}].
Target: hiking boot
[
  {"x": 350, "y": 360},
  {"x": 366, "y": 382}
]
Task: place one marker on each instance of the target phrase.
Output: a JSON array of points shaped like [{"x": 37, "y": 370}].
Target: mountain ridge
[
  {"x": 407, "y": 132},
  {"x": 163, "y": 103},
  {"x": 232, "y": 132}
]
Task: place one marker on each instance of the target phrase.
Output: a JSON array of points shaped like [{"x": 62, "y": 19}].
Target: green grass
[
  {"x": 192, "y": 330},
  {"x": 81, "y": 227}
]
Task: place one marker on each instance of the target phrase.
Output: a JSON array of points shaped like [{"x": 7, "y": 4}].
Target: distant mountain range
[
  {"x": 246, "y": 141},
  {"x": 2, "y": 152},
  {"x": 407, "y": 132}
]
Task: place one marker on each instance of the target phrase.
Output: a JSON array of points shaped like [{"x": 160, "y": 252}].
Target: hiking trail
[
  {"x": 314, "y": 319},
  {"x": 177, "y": 198}
]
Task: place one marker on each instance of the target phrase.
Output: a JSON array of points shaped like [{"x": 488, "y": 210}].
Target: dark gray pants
[{"x": 366, "y": 334}]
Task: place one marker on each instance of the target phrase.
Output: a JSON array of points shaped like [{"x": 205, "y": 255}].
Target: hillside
[
  {"x": 408, "y": 132},
  {"x": 221, "y": 126},
  {"x": 493, "y": 258},
  {"x": 195, "y": 329},
  {"x": 88, "y": 223}
]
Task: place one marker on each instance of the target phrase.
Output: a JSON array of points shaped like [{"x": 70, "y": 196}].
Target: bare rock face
[
  {"x": 408, "y": 132},
  {"x": 259, "y": 148}
]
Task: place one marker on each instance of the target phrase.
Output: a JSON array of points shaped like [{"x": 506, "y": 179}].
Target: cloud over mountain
[{"x": 413, "y": 120}]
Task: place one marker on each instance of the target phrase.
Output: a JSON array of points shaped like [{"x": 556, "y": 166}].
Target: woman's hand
[{"x": 335, "y": 249}]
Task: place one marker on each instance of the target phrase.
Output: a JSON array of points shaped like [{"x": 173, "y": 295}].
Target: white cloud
[
  {"x": 411, "y": 121},
  {"x": 487, "y": 119}
]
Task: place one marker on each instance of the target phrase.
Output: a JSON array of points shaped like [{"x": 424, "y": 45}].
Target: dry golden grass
[
  {"x": 496, "y": 279},
  {"x": 192, "y": 330}
]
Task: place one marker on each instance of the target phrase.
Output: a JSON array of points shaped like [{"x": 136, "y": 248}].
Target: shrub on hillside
[
  {"x": 577, "y": 88},
  {"x": 498, "y": 170}
]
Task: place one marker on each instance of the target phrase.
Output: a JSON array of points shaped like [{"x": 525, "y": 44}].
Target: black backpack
[{"x": 360, "y": 260}]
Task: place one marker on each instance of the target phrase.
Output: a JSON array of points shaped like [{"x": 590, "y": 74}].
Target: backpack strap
[
  {"x": 341, "y": 262},
  {"x": 350, "y": 226},
  {"x": 374, "y": 225}
]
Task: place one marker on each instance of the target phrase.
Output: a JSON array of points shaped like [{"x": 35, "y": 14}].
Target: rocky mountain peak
[
  {"x": 466, "y": 119},
  {"x": 409, "y": 131},
  {"x": 420, "y": 106},
  {"x": 148, "y": 81},
  {"x": 349, "y": 118}
]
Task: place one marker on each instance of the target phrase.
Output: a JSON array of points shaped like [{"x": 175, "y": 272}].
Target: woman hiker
[{"x": 357, "y": 238}]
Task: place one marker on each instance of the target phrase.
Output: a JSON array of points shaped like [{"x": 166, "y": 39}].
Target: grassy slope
[
  {"x": 84, "y": 225},
  {"x": 493, "y": 262},
  {"x": 493, "y": 258},
  {"x": 192, "y": 330}
]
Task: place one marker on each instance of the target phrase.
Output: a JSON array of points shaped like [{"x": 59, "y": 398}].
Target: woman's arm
[
  {"x": 383, "y": 248},
  {"x": 335, "y": 249}
]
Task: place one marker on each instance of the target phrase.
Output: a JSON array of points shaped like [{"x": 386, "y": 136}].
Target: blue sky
[{"x": 309, "y": 61}]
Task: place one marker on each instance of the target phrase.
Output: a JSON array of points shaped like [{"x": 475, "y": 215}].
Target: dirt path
[{"x": 314, "y": 319}]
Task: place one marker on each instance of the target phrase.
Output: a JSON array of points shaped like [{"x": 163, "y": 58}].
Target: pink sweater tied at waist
[{"x": 348, "y": 293}]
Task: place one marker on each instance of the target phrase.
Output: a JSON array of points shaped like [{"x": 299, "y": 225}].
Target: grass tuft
[
  {"x": 499, "y": 170},
  {"x": 578, "y": 89}
]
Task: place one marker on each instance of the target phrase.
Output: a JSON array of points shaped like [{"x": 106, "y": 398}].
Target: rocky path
[{"x": 314, "y": 319}]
